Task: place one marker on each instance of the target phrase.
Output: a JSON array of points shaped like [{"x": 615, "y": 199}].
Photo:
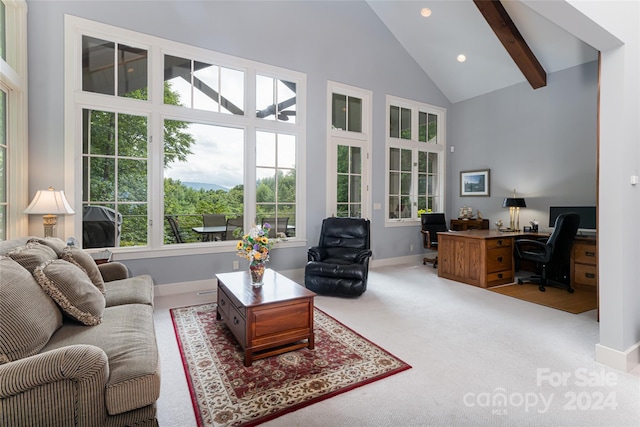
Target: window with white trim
[
  {"x": 170, "y": 140},
  {"x": 3, "y": 161},
  {"x": 348, "y": 148},
  {"x": 415, "y": 159},
  {"x": 13, "y": 118}
]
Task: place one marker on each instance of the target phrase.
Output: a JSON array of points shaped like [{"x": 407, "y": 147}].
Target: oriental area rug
[{"x": 226, "y": 393}]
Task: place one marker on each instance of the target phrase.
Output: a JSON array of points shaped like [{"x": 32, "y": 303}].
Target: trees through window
[{"x": 187, "y": 127}]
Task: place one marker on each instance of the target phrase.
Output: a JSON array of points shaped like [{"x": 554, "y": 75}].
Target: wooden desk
[
  {"x": 469, "y": 224},
  {"x": 584, "y": 262},
  {"x": 481, "y": 258}
]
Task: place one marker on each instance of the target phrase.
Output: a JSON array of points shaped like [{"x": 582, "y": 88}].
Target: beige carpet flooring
[{"x": 479, "y": 359}]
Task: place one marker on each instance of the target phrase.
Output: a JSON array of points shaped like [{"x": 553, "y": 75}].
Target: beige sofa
[{"x": 77, "y": 340}]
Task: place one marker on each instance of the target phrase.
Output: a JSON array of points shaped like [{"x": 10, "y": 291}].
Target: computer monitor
[{"x": 587, "y": 215}]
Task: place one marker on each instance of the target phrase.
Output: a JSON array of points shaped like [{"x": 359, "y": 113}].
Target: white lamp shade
[{"x": 49, "y": 202}]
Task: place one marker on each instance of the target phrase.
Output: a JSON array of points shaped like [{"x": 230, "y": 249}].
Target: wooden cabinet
[
  {"x": 469, "y": 224},
  {"x": 269, "y": 320},
  {"x": 584, "y": 262},
  {"x": 478, "y": 257}
]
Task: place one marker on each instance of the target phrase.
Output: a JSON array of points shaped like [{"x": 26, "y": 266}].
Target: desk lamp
[
  {"x": 50, "y": 203},
  {"x": 514, "y": 204}
]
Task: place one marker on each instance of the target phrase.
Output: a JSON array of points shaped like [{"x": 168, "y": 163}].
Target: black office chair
[
  {"x": 432, "y": 224},
  {"x": 553, "y": 256},
  {"x": 339, "y": 265}
]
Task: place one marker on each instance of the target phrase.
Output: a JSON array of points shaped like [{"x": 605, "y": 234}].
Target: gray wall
[
  {"x": 540, "y": 142},
  {"x": 339, "y": 41}
]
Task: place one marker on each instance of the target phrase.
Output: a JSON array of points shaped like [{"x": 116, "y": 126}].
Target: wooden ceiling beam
[{"x": 507, "y": 32}]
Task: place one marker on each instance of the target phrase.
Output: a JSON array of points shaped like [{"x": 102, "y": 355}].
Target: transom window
[
  {"x": 275, "y": 99},
  {"x": 204, "y": 86},
  {"x": 346, "y": 112},
  {"x": 113, "y": 68}
]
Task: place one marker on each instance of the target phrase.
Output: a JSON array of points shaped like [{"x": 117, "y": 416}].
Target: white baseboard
[
  {"x": 409, "y": 259},
  {"x": 207, "y": 286},
  {"x": 210, "y": 285},
  {"x": 621, "y": 360},
  {"x": 195, "y": 287}
]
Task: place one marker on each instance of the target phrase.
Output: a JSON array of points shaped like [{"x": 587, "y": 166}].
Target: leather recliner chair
[{"x": 339, "y": 265}]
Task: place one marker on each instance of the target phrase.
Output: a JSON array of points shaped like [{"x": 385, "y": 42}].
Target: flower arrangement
[{"x": 254, "y": 246}]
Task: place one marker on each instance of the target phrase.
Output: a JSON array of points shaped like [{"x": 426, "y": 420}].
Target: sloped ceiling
[{"x": 457, "y": 27}]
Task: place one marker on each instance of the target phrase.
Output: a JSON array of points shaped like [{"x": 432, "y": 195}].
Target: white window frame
[
  {"x": 361, "y": 139},
  {"x": 76, "y": 100},
  {"x": 14, "y": 78},
  {"x": 415, "y": 146}
]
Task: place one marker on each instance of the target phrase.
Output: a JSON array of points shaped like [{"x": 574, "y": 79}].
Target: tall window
[
  {"x": 348, "y": 151},
  {"x": 167, "y": 149},
  {"x": 114, "y": 192},
  {"x": 13, "y": 119},
  {"x": 203, "y": 174},
  {"x": 276, "y": 181},
  {"x": 415, "y": 159},
  {"x": 3, "y": 164}
]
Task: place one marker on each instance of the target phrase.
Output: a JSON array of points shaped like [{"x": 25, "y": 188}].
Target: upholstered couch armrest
[
  {"x": 83, "y": 363},
  {"x": 363, "y": 255},
  {"x": 73, "y": 378},
  {"x": 113, "y": 271},
  {"x": 316, "y": 253}
]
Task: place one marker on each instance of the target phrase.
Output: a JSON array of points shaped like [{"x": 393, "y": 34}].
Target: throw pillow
[
  {"x": 32, "y": 255},
  {"x": 28, "y": 317},
  {"x": 72, "y": 290},
  {"x": 83, "y": 260},
  {"x": 55, "y": 243}
]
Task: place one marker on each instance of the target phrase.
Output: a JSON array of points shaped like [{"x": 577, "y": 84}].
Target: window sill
[{"x": 129, "y": 253}]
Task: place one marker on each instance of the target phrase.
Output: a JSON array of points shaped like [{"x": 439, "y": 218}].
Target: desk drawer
[
  {"x": 499, "y": 259},
  {"x": 499, "y": 243},
  {"x": 499, "y": 278},
  {"x": 585, "y": 274},
  {"x": 585, "y": 254}
]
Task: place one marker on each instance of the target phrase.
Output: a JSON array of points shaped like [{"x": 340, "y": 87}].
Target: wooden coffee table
[{"x": 272, "y": 319}]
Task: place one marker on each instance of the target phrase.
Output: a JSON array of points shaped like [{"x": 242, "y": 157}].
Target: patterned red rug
[{"x": 226, "y": 393}]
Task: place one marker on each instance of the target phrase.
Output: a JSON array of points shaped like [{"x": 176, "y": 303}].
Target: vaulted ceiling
[{"x": 457, "y": 27}]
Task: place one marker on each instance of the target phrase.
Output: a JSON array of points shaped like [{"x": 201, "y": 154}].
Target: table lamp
[
  {"x": 49, "y": 203},
  {"x": 514, "y": 204}
]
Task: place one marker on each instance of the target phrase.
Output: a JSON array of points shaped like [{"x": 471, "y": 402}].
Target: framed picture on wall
[{"x": 474, "y": 183}]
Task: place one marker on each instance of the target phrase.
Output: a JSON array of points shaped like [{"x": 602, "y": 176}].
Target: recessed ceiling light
[
  {"x": 461, "y": 58},
  {"x": 425, "y": 11}
]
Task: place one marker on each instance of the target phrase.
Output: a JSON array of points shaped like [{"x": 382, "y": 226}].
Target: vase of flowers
[{"x": 254, "y": 247}]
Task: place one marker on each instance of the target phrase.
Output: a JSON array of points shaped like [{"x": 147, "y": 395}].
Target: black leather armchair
[
  {"x": 554, "y": 255},
  {"x": 339, "y": 265}
]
